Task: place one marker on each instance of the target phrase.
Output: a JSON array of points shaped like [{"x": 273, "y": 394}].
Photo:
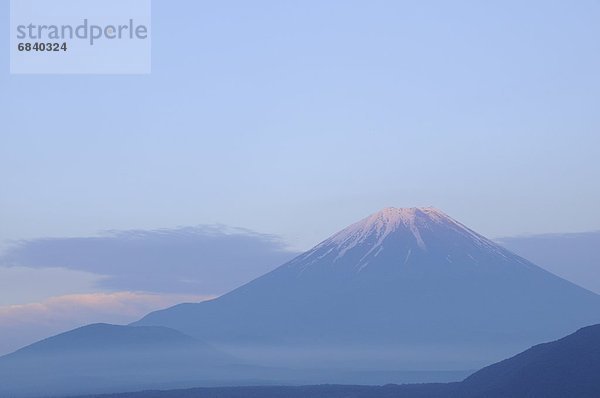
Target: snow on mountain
[
  {"x": 381, "y": 224},
  {"x": 392, "y": 227}
]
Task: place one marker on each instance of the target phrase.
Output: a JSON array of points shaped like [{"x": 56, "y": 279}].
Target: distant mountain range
[
  {"x": 568, "y": 367},
  {"x": 401, "y": 290},
  {"x": 96, "y": 356}
]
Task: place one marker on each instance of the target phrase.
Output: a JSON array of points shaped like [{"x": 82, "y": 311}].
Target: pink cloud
[{"x": 26, "y": 323}]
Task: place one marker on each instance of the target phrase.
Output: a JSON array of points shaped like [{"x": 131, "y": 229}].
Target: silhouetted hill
[
  {"x": 104, "y": 357},
  {"x": 102, "y": 337},
  {"x": 569, "y": 367}
]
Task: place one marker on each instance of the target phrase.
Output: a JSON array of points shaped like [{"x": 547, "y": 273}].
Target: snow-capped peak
[
  {"x": 418, "y": 229},
  {"x": 383, "y": 223}
]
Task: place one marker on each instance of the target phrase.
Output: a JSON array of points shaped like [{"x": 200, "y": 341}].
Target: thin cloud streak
[
  {"x": 24, "y": 324},
  {"x": 573, "y": 256},
  {"x": 25, "y": 284}
]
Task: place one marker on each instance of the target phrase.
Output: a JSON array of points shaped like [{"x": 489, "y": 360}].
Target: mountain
[
  {"x": 104, "y": 357},
  {"x": 103, "y": 338},
  {"x": 569, "y": 367},
  {"x": 400, "y": 296},
  {"x": 401, "y": 289}
]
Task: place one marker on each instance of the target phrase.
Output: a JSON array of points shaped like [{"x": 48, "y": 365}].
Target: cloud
[
  {"x": 23, "y": 284},
  {"x": 26, "y": 323},
  {"x": 573, "y": 256},
  {"x": 193, "y": 260}
]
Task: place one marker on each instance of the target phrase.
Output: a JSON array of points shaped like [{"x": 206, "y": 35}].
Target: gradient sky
[{"x": 297, "y": 118}]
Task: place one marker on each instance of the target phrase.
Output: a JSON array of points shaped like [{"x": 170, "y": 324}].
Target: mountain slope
[
  {"x": 402, "y": 288},
  {"x": 104, "y": 337},
  {"x": 104, "y": 357},
  {"x": 569, "y": 367}
]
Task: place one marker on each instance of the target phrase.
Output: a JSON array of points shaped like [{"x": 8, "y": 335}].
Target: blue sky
[{"x": 297, "y": 118}]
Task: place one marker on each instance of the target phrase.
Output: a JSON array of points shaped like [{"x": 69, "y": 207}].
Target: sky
[{"x": 294, "y": 119}]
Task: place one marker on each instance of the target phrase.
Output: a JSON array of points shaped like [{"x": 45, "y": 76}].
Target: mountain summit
[
  {"x": 385, "y": 223},
  {"x": 410, "y": 233}
]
